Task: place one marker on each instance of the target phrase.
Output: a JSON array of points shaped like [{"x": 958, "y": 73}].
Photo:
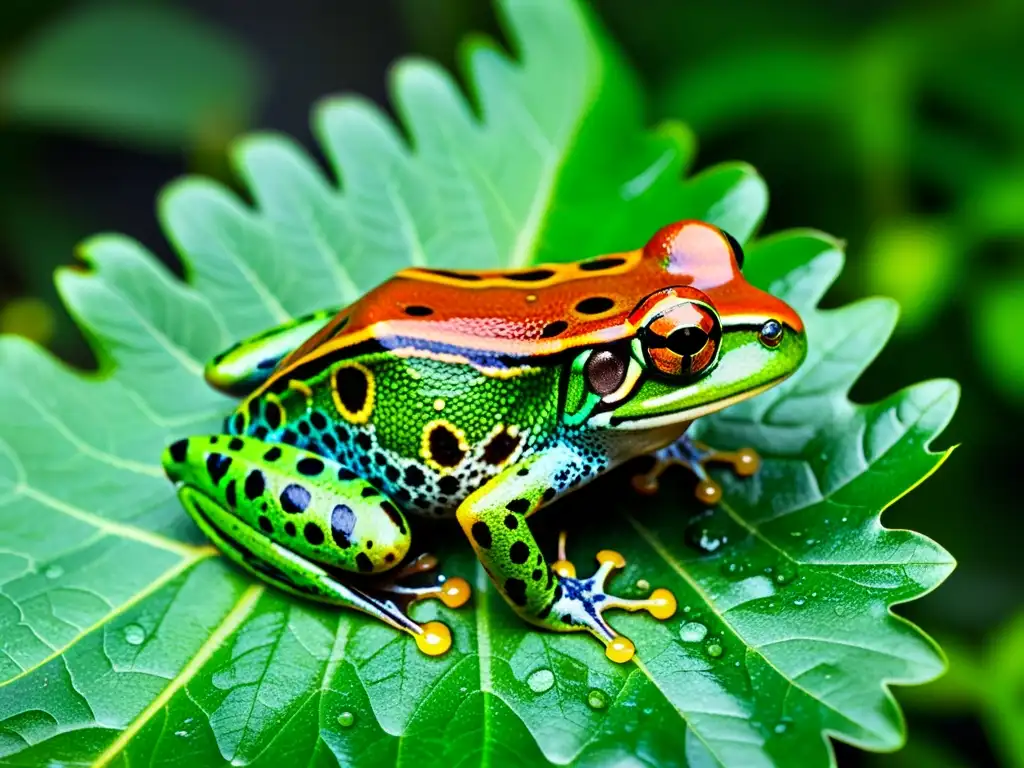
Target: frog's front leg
[
  {"x": 494, "y": 519},
  {"x": 304, "y": 524},
  {"x": 243, "y": 367},
  {"x": 695, "y": 456}
]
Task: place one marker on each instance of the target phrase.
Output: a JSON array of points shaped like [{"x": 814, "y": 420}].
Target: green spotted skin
[
  {"x": 309, "y": 504},
  {"x": 426, "y": 433}
]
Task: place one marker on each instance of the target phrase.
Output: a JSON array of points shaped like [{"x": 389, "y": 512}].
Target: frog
[{"x": 483, "y": 395}]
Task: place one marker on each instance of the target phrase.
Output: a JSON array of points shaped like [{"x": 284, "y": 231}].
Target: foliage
[
  {"x": 81, "y": 71},
  {"x": 127, "y": 640},
  {"x": 146, "y": 76}
]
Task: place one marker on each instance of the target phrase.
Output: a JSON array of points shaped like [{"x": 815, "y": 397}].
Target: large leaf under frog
[{"x": 127, "y": 640}]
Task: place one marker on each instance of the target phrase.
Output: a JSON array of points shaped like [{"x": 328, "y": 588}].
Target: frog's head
[{"x": 704, "y": 340}]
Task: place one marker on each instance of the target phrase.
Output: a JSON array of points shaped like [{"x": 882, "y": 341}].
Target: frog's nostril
[{"x": 771, "y": 334}]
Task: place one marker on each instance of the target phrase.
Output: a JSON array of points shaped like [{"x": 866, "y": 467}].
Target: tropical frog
[{"x": 486, "y": 395}]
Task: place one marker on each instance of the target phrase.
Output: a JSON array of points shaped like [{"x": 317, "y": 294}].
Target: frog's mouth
[
  {"x": 745, "y": 368},
  {"x": 611, "y": 420}
]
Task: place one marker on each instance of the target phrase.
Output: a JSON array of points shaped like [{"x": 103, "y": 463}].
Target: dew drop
[
  {"x": 597, "y": 699},
  {"x": 705, "y": 535},
  {"x": 785, "y": 573},
  {"x": 735, "y": 569},
  {"x": 181, "y": 733},
  {"x": 643, "y": 585},
  {"x": 54, "y": 572},
  {"x": 541, "y": 680},
  {"x": 714, "y": 648},
  {"x": 345, "y": 719},
  {"x": 840, "y": 610},
  {"x": 799, "y": 601},
  {"x": 134, "y": 634},
  {"x": 692, "y": 632},
  {"x": 783, "y": 725}
]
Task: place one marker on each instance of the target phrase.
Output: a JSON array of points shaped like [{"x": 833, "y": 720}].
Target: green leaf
[
  {"x": 128, "y": 641},
  {"x": 986, "y": 683},
  {"x": 149, "y": 74}
]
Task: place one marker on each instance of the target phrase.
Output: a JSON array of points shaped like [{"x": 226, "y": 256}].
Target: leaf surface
[{"x": 128, "y": 641}]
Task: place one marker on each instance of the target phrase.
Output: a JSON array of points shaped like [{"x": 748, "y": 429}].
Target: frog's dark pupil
[
  {"x": 687, "y": 341},
  {"x": 417, "y": 310},
  {"x": 605, "y": 371},
  {"x": 737, "y": 249}
]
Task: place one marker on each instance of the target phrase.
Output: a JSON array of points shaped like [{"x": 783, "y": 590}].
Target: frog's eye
[
  {"x": 683, "y": 339},
  {"x": 737, "y": 249},
  {"x": 606, "y": 370}
]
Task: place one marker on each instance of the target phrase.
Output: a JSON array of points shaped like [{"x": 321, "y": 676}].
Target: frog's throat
[{"x": 607, "y": 419}]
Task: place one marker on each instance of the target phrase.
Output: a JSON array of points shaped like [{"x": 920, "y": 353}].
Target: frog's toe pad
[
  {"x": 581, "y": 603},
  {"x": 434, "y": 639}
]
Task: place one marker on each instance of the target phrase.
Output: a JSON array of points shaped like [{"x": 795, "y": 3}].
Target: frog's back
[
  {"x": 494, "y": 316},
  {"x": 503, "y": 316}
]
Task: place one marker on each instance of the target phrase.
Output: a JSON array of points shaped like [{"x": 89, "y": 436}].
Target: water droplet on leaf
[
  {"x": 345, "y": 719},
  {"x": 54, "y": 572},
  {"x": 541, "y": 680},
  {"x": 597, "y": 699},
  {"x": 692, "y": 632},
  {"x": 714, "y": 648},
  {"x": 134, "y": 634}
]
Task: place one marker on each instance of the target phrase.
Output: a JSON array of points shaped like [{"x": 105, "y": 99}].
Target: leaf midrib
[{"x": 232, "y": 620}]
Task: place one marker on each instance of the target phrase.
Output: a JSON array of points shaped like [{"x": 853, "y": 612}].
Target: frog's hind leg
[
  {"x": 495, "y": 519},
  {"x": 302, "y": 523},
  {"x": 695, "y": 457},
  {"x": 271, "y": 562},
  {"x": 240, "y": 369}
]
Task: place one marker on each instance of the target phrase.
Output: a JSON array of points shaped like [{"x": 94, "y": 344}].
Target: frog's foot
[
  {"x": 270, "y": 561},
  {"x": 580, "y": 603},
  {"x": 454, "y": 592},
  {"x": 695, "y": 457}
]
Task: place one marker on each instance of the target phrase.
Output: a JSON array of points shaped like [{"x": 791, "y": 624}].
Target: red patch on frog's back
[{"x": 547, "y": 308}]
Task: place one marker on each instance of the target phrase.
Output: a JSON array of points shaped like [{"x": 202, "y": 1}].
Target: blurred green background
[{"x": 898, "y": 127}]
